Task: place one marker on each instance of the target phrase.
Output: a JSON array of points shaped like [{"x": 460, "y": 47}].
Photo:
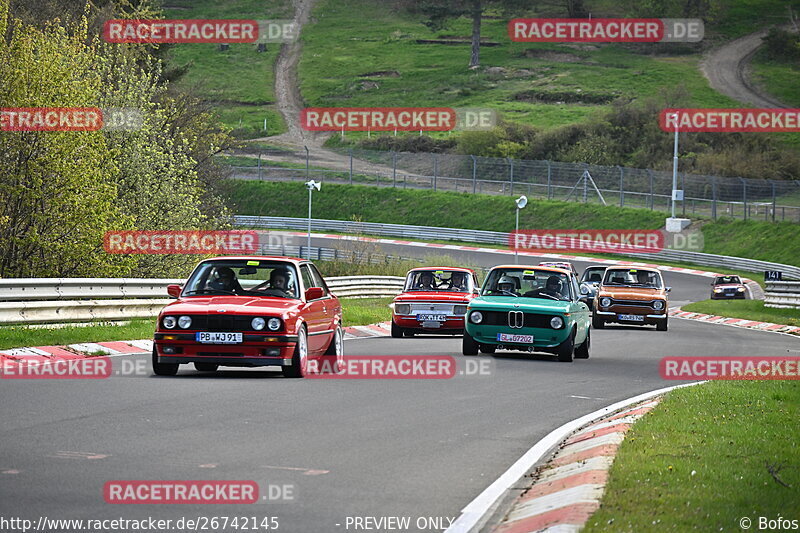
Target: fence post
[
  {"x": 394, "y": 169},
  {"x": 549, "y": 182},
  {"x": 511, "y": 174},
  {"x": 621, "y": 186},
  {"x": 350, "y": 151},
  {"x": 306, "y": 147},
  {"x": 773, "y": 199},
  {"x": 683, "y": 187},
  {"x": 435, "y": 170},
  {"x": 714, "y": 197},
  {"x": 259, "y": 165},
  {"x": 474, "y": 174},
  {"x": 744, "y": 196},
  {"x": 652, "y": 198}
]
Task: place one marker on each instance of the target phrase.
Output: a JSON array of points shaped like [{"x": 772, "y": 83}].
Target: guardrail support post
[{"x": 474, "y": 174}]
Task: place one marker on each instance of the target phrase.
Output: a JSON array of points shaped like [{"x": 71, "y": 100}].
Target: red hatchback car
[
  {"x": 249, "y": 312},
  {"x": 434, "y": 300}
]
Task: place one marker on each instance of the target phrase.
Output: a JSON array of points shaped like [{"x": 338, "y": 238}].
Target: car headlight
[
  {"x": 556, "y": 322},
  {"x": 459, "y": 310},
  {"x": 605, "y": 302},
  {"x": 476, "y": 317},
  {"x": 717, "y": 290},
  {"x": 185, "y": 321},
  {"x": 258, "y": 323},
  {"x": 402, "y": 309},
  {"x": 658, "y": 305},
  {"x": 169, "y": 322},
  {"x": 274, "y": 324},
  {"x": 740, "y": 289}
]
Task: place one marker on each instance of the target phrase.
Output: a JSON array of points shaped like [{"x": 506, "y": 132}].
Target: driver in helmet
[
  {"x": 506, "y": 285},
  {"x": 426, "y": 282}
]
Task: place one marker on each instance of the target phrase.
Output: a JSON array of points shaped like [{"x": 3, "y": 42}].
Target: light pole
[
  {"x": 310, "y": 185},
  {"x": 675, "y": 167},
  {"x": 521, "y": 202}
]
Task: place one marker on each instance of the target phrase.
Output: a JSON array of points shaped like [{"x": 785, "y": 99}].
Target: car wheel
[
  {"x": 662, "y": 325},
  {"x": 408, "y": 333},
  {"x": 334, "y": 355},
  {"x": 163, "y": 369},
  {"x": 300, "y": 357},
  {"x": 468, "y": 345},
  {"x": 397, "y": 331},
  {"x": 582, "y": 351},
  {"x": 488, "y": 348},
  {"x": 566, "y": 348},
  {"x": 206, "y": 367},
  {"x": 598, "y": 323}
]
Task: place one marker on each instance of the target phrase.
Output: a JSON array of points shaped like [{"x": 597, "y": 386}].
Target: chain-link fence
[{"x": 707, "y": 196}]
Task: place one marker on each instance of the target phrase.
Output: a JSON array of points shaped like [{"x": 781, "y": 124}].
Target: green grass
[
  {"x": 20, "y": 336},
  {"x": 766, "y": 241},
  {"x": 362, "y": 311},
  {"x": 746, "y": 309},
  {"x": 700, "y": 461},
  {"x": 779, "y": 78}
]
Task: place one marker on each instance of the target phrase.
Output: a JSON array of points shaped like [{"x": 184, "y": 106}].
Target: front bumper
[
  {"x": 255, "y": 350},
  {"x": 727, "y": 296},
  {"x": 453, "y": 324},
  {"x": 542, "y": 337},
  {"x": 648, "y": 320}
]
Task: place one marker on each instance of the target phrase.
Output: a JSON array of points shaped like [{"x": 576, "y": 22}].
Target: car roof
[
  {"x": 276, "y": 258},
  {"x": 623, "y": 267},
  {"x": 535, "y": 267},
  {"x": 598, "y": 267},
  {"x": 455, "y": 269}
]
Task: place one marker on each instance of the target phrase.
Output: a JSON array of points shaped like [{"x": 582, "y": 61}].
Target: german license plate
[
  {"x": 631, "y": 318},
  {"x": 431, "y": 317},
  {"x": 216, "y": 337},
  {"x": 522, "y": 339}
]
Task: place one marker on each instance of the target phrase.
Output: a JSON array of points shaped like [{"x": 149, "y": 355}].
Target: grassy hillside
[{"x": 757, "y": 240}]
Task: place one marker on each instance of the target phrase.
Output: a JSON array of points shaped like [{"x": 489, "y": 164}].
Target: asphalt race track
[{"x": 348, "y": 448}]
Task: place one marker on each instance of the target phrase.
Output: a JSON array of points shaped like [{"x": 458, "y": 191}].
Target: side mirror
[
  {"x": 174, "y": 291},
  {"x": 669, "y": 289},
  {"x": 314, "y": 293}
]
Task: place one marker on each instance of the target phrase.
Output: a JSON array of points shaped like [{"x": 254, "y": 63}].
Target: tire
[
  {"x": 334, "y": 355},
  {"x": 582, "y": 351},
  {"x": 488, "y": 348},
  {"x": 662, "y": 325},
  {"x": 397, "y": 331},
  {"x": 566, "y": 348},
  {"x": 300, "y": 357},
  {"x": 407, "y": 333},
  {"x": 598, "y": 323},
  {"x": 163, "y": 369},
  {"x": 468, "y": 345},
  {"x": 206, "y": 367}
]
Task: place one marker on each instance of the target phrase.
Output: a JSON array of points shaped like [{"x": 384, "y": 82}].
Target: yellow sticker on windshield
[
  {"x": 252, "y": 263},
  {"x": 528, "y": 273},
  {"x": 440, "y": 272}
]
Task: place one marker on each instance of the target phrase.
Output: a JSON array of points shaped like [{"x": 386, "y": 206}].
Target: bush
[{"x": 782, "y": 45}]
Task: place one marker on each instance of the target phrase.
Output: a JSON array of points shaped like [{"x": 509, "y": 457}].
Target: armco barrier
[
  {"x": 495, "y": 237},
  {"x": 784, "y": 294},
  {"x": 60, "y": 300}
]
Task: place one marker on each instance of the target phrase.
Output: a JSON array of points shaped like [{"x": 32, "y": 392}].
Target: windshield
[
  {"x": 528, "y": 283},
  {"x": 438, "y": 280},
  {"x": 593, "y": 275},
  {"x": 631, "y": 277},
  {"x": 722, "y": 280},
  {"x": 243, "y": 278}
]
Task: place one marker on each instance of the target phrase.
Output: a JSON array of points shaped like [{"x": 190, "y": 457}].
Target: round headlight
[
  {"x": 258, "y": 323},
  {"x": 274, "y": 323},
  {"x": 605, "y": 302},
  {"x": 556, "y": 322},
  {"x": 185, "y": 321},
  {"x": 169, "y": 322},
  {"x": 658, "y": 305},
  {"x": 476, "y": 317}
]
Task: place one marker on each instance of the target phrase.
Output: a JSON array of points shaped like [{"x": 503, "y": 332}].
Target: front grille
[
  {"x": 222, "y": 323},
  {"x": 531, "y": 320},
  {"x": 633, "y": 303}
]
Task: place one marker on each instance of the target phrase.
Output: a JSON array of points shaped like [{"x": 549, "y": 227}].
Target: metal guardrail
[
  {"x": 65, "y": 300},
  {"x": 783, "y": 294},
  {"x": 496, "y": 237}
]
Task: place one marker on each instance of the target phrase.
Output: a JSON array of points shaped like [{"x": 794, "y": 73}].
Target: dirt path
[{"x": 727, "y": 70}]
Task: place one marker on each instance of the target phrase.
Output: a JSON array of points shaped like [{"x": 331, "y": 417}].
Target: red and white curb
[
  {"x": 677, "y": 312},
  {"x": 567, "y": 490},
  {"x": 381, "y": 329}
]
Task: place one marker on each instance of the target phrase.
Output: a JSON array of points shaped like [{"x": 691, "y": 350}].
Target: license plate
[
  {"x": 216, "y": 337},
  {"x": 522, "y": 339},
  {"x": 431, "y": 318},
  {"x": 631, "y": 318},
  {"x": 431, "y": 324}
]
